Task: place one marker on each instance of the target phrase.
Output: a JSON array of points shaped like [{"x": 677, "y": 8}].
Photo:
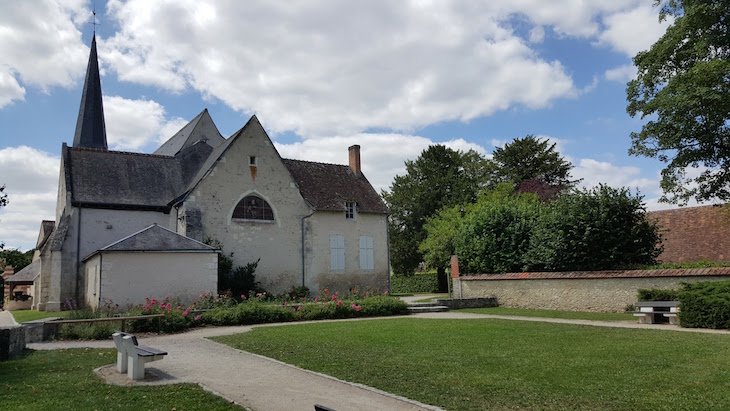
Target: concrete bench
[
  {"x": 651, "y": 312},
  {"x": 131, "y": 357}
]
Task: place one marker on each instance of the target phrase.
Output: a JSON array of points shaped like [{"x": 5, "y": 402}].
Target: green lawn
[
  {"x": 22, "y": 316},
  {"x": 506, "y": 365},
  {"x": 64, "y": 380},
  {"x": 573, "y": 315}
]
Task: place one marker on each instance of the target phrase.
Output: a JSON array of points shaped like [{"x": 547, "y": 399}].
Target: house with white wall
[{"x": 312, "y": 224}]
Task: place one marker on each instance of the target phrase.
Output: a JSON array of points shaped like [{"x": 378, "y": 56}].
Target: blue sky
[{"x": 393, "y": 77}]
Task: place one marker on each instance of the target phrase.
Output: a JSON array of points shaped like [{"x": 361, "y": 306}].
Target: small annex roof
[
  {"x": 328, "y": 186},
  {"x": 28, "y": 274},
  {"x": 201, "y": 128},
  {"x": 155, "y": 238}
]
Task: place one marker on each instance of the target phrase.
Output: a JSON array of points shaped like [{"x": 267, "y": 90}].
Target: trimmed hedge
[
  {"x": 416, "y": 283},
  {"x": 656, "y": 294},
  {"x": 705, "y": 305},
  {"x": 260, "y": 313},
  {"x": 702, "y": 305}
]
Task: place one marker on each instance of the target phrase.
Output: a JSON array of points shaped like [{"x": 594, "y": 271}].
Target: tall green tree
[
  {"x": 531, "y": 158},
  {"x": 683, "y": 87},
  {"x": 439, "y": 177}
]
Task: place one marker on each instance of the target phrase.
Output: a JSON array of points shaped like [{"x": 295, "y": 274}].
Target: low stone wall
[
  {"x": 12, "y": 342},
  {"x": 600, "y": 291},
  {"x": 456, "y": 304}
]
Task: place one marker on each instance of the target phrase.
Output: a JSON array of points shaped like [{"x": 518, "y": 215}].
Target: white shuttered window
[
  {"x": 337, "y": 252},
  {"x": 366, "y": 253}
]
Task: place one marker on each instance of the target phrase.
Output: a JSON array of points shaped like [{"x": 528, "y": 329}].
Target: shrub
[
  {"x": 705, "y": 305},
  {"x": 92, "y": 331},
  {"x": 176, "y": 318},
  {"x": 417, "y": 283},
  {"x": 240, "y": 281},
  {"x": 595, "y": 229},
  {"x": 496, "y": 234},
  {"x": 656, "y": 294}
]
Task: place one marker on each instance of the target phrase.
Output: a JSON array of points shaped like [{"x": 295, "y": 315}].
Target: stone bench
[
  {"x": 650, "y": 311},
  {"x": 131, "y": 357}
]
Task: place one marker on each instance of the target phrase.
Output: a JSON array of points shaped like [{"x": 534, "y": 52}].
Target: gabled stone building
[{"x": 313, "y": 224}]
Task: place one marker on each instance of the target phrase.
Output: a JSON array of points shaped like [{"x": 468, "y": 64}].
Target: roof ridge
[
  {"x": 316, "y": 162},
  {"x": 119, "y": 152}
]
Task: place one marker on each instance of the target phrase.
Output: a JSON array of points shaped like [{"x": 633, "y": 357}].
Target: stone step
[{"x": 427, "y": 308}]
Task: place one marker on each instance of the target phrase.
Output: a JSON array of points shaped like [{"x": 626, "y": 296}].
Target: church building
[{"x": 130, "y": 225}]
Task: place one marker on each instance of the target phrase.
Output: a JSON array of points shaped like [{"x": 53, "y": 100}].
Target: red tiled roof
[{"x": 577, "y": 275}]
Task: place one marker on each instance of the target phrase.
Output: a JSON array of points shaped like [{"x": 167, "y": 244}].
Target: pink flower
[
  {"x": 353, "y": 306},
  {"x": 339, "y": 303},
  {"x": 316, "y": 299},
  {"x": 167, "y": 297},
  {"x": 197, "y": 318},
  {"x": 243, "y": 296},
  {"x": 284, "y": 303},
  {"x": 299, "y": 308},
  {"x": 293, "y": 310},
  {"x": 357, "y": 308},
  {"x": 178, "y": 308},
  {"x": 334, "y": 297}
]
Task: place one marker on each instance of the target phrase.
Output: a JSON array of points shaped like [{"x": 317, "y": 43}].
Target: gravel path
[{"x": 263, "y": 384}]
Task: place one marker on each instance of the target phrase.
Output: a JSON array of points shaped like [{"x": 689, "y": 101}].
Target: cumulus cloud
[
  {"x": 621, "y": 74},
  {"x": 31, "y": 180},
  {"x": 41, "y": 45},
  {"x": 633, "y": 30},
  {"x": 382, "y": 156},
  {"x": 134, "y": 124},
  {"x": 331, "y": 68},
  {"x": 594, "y": 172}
]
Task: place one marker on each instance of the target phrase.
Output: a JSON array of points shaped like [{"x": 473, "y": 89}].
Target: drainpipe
[
  {"x": 303, "y": 250},
  {"x": 387, "y": 242},
  {"x": 101, "y": 264},
  {"x": 78, "y": 256}
]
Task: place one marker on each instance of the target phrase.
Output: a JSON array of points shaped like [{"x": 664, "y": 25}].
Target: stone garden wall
[{"x": 600, "y": 291}]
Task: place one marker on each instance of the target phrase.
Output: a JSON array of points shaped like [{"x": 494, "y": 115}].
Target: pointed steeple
[{"x": 90, "y": 128}]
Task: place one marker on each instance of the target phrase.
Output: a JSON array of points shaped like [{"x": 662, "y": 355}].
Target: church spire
[{"x": 90, "y": 128}]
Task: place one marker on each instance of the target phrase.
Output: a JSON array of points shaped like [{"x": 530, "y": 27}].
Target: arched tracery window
[{"x": 253, "y": 208}]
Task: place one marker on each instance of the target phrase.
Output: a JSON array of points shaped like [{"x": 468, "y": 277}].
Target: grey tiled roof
[
  {"x": 328, "y": 186},
  {"x": 118, "y": 179},
  {"x": 155, "y": 238},
  {"x": 27, "y": 274},
  {"x": 200, "y": 128}
]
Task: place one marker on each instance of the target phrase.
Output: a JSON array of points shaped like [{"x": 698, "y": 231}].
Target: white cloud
[
  {"x": 382, "y": 156},
  {"x": 621, "y": 74},
  {"x": 134, "y": 124},
  {"x": 40, "y": 45},
  {"x": 594, "y": 172},
  {"x": 334, "y": 68},
  {"x": 537, "y": 34},
  {"x": 31, "y": 180},
  {"x": 633, "y": 30}
]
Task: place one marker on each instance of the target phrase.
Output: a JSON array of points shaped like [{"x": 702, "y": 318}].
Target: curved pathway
[{"x": 263, "y": 384}]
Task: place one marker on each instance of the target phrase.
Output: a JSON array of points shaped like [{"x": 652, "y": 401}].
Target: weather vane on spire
[{"x": 94, "y": 23}]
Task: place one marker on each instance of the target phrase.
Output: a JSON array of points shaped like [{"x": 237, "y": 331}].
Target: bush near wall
[
  {"x": 413, "y": 284},
  {"x": 702, "y": 305}
]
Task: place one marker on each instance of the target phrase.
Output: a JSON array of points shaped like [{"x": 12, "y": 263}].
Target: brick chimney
[{"x": 355, "y": 159}]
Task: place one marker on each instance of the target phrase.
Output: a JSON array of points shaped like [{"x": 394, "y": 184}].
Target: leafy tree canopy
[
  {"x": 16, "y": 258},
  {"x": 439, "y": 177},
  {"x": 530, "y": 158},
  {"x": 683, "y": 88}
]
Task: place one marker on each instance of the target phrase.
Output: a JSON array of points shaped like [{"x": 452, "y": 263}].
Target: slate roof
[
  {"x": 155, "y": 238},
  {"x": 47, "y": 227},
  {"x": 201, "y": 127},
  {"x": 328, "y": 186},
  {"x": 90, "y": 127},
  {"x": 116, "y": 179},
  {"x": 28, "y": 274}
]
